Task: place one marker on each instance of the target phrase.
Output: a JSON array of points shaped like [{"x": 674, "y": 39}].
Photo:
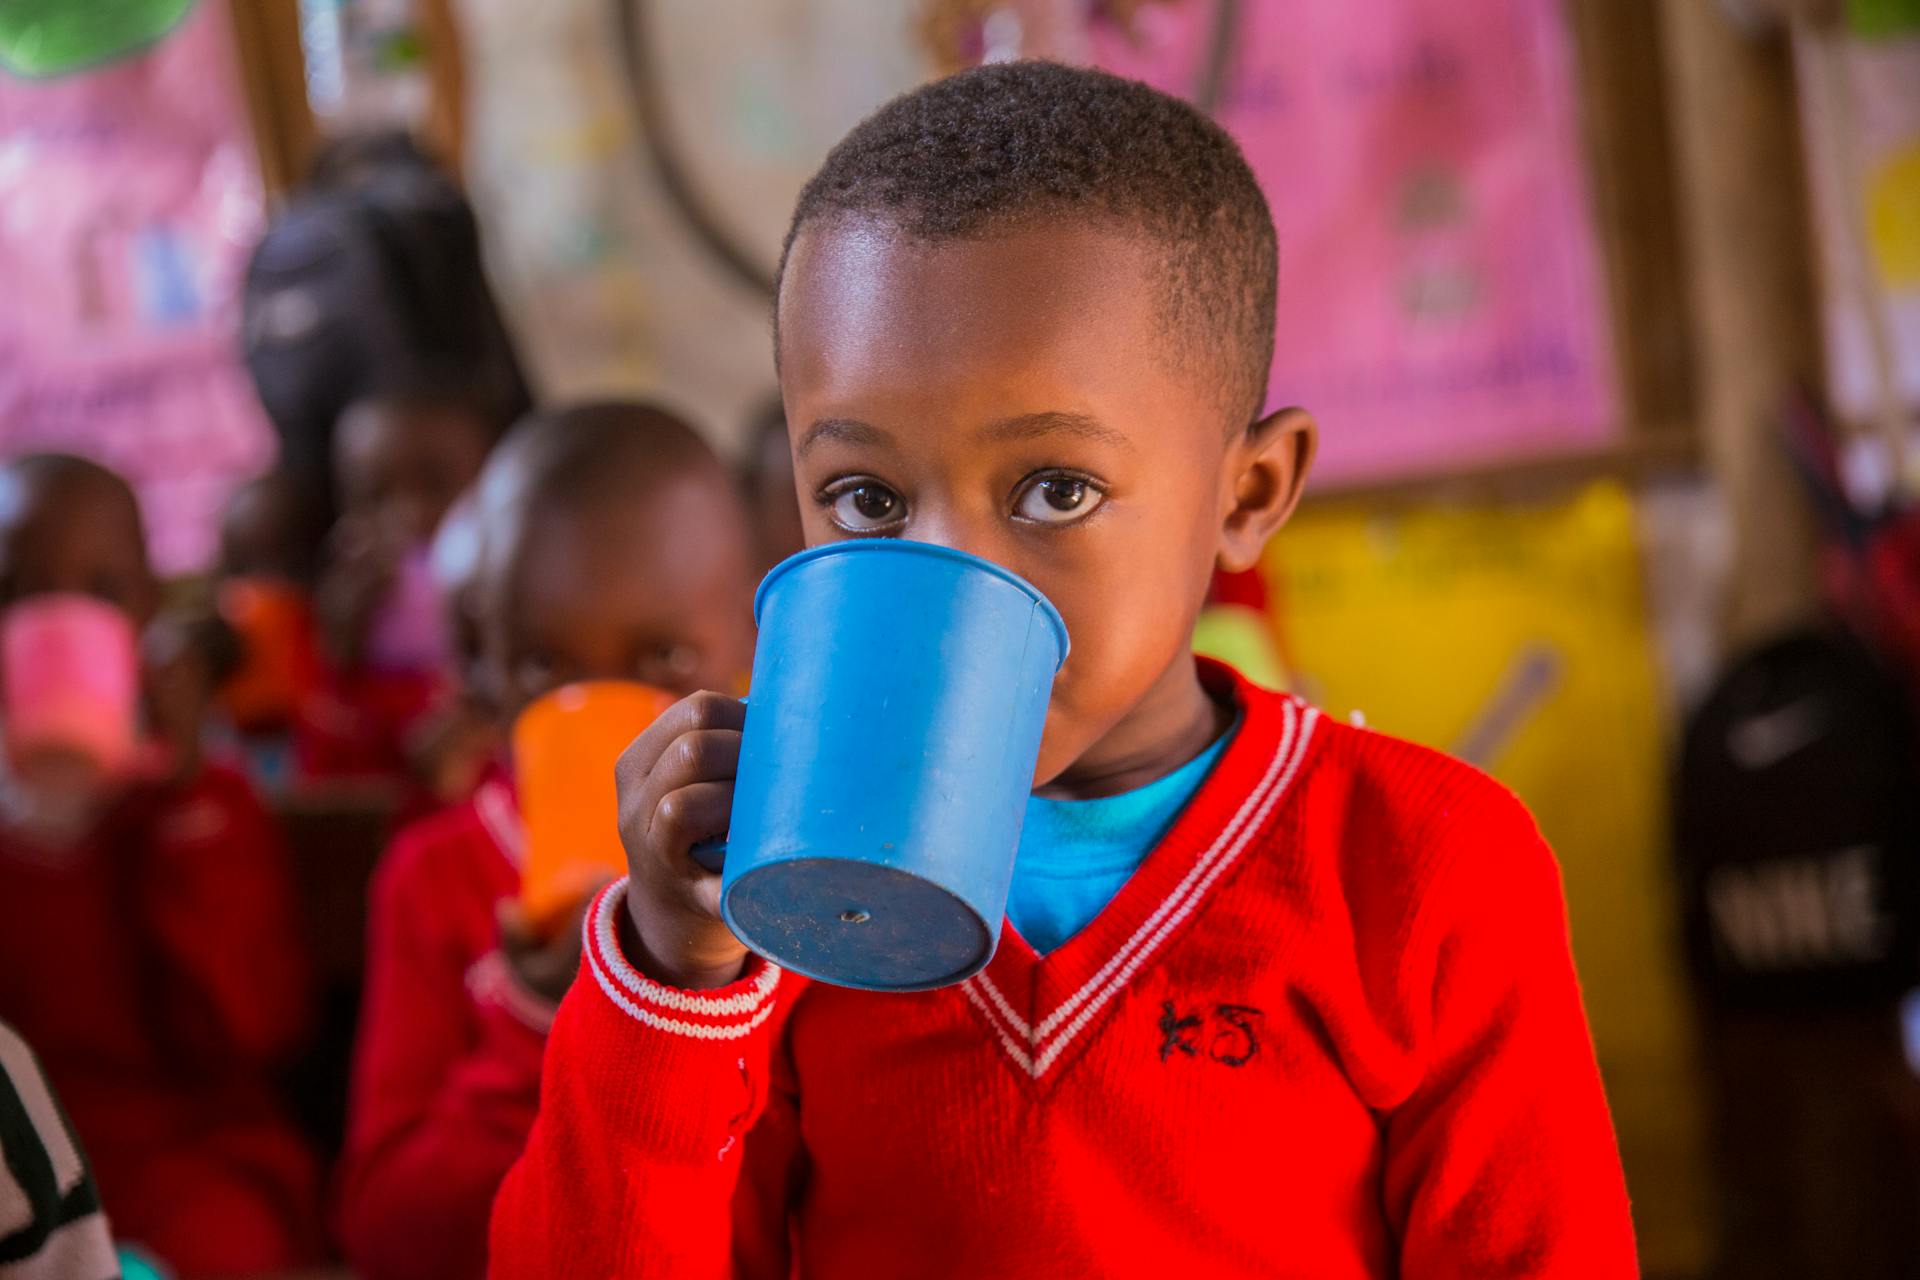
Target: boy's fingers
[
  {"x": 633, "y": 773},
  {"x": 706, "y": 755},
  {"x": 691, "y": 714},
  {"x": 689, "y": 814}
]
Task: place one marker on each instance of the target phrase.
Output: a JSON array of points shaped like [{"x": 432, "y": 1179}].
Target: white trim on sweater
[
  {"x": 1295, "y": 737},
  {"x": 629, "y": 990}
]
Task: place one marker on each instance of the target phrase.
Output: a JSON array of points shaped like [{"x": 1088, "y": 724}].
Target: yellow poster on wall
[{"x": 1515, "y": 636}]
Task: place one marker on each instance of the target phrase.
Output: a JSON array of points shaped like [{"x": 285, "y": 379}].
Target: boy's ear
[{"x": 1266, "y": 467}]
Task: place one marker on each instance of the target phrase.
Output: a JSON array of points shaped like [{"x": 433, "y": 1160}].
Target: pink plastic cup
[{"x": 69, "y": 681}]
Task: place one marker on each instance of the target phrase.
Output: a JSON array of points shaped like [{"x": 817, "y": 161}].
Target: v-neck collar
[{"x": 1039, "y": 1008}]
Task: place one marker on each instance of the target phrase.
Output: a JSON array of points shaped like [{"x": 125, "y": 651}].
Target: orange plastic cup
[
  {"x": 564, "y": 749},
  {"x": 278, "y": 664}
]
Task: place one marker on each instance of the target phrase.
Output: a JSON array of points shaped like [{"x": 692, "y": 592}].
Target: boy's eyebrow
[
  {"x": 845, "y": 430},
  {"x": 1031, "y": 426},
  {"x": 1026, "y": 426}
]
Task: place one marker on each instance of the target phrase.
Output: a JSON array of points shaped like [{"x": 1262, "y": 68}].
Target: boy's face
[
  {"x": 657, "y": 590},
  {"x": 83, "y": 539},
  {"x": 263, "y": 533},
  {"x": 403, "y": 466},
  {"x": 1011, "y": 395}
]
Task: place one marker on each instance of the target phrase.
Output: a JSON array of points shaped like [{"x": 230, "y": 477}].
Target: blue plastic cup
[{"x": 899, "y": 693}]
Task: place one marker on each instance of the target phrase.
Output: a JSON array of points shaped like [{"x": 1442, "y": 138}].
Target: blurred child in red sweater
[
  {"x": 263, "y": 598},
  {"x": 1277, "y": 996},
  {"x": 400, "y": 461},
  {"x": 613, "y": 547},
  {"x": 147, "y": 930}
]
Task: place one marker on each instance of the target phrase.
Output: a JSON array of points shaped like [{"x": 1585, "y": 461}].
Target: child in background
[
  {"x": 453, "y": 747},
  {"x": 400, "y": 462},
  {"x": 1280, "y": 996},
  {"x": 615, "y": 548},
  {"x": 147, "y": 943},
  {"x": 270, "y": 536},
  {"x": 270, "y": 530},
  {"x": 766, "y": 476}
]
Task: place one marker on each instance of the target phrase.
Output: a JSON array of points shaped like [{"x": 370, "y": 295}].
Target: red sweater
[
  {"x": 355, "y": 724},
  {"x": 155, "y": 971},
  {"x": 1330, "y": 1028},
  {"x": 447, "y": 1068}
]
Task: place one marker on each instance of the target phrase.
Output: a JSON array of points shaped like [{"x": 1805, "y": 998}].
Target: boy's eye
[
  {"x": 1057, "y": 499},
  {"x": 866, "y": 506}
]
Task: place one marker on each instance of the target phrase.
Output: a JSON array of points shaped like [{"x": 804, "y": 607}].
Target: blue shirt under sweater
[{"x": 1075, "y": 854}]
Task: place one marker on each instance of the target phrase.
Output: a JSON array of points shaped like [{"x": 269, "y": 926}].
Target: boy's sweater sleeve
[
  {"x": 446, "y": 1079},
  {"x": 645, "y": 1111},
  {"x": 1502, "y": 1160}
]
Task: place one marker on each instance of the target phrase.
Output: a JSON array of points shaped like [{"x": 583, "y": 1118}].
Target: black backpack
[{"x": 1798, "y": 828}]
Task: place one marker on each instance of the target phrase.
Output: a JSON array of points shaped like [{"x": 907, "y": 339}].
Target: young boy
[
  {"x": 614, "y": 548},
  {"x": 150, "y": 951},
  {"x": 400, "y": 462},
  {"x": 270, "y": 530},
  {"x": 1306, "y": 1009}
]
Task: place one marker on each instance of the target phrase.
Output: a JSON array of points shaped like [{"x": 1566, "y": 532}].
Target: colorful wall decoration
[
  {"x": 1441, "y": 300},
  {"x": 1860, "y": 107},
  {"x": 131, "y": 198},
  {"x": 1516, "y": 636},
  {"x": 1442, "y": 304}
]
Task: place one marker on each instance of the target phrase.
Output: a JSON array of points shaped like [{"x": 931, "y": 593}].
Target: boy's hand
[
  {"x": 676, "y": 788},
  {"x": 544, "y": 962},
  {"x": 362, "y": 557}
]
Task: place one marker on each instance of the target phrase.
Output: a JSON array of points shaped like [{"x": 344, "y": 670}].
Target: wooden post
[
  {"x": 266, "y": 38},
  {"x": 1742, "y": 198}
]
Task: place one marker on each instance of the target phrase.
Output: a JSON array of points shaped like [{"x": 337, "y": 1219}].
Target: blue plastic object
[{"x": 899, "y": 693}]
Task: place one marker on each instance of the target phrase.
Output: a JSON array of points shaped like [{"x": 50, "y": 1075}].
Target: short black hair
[
  {"x": 998, "y": 146},
  {"x": 60, "y": 478},
  {"x": 433, "y": 391},
  {"x": 581, "y": 458},
  {"x": 579, "y": 453}
]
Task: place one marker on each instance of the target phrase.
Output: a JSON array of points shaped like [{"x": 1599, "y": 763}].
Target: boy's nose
[{"x": 942, "y": 530}]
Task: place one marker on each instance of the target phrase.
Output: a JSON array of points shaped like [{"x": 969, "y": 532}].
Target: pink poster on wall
[
  {"x": 129, "y": 199},
  {"x": 1441, "y": 298}
]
